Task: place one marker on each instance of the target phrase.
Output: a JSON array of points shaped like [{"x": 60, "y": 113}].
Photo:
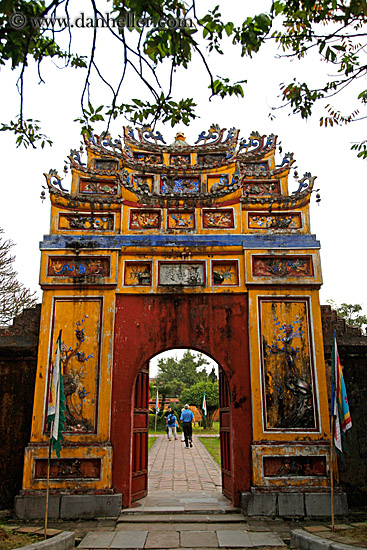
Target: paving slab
[
  {"x": 234, "y": 539},
  {"x": 265, "y": 539},
  {"x": 199, "y": 539},
  {"x": 97, "y": 539},
  {"x": 129, "y": 539},
  {"x": 162, "y": 539}
]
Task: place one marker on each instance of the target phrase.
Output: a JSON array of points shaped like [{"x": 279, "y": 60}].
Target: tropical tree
[
  {"x": 14, "y": 296},
  {"x": 194, "y": 396},
  {"x": 172, "y": 33}
]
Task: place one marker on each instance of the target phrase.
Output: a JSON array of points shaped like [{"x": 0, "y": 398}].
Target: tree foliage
[
  {"x": 176, "y": 375},
  {"x": 334, "y": 29},
  {"x": 194, "y": 396},
  {"x": 352, "y": 313},
  {"x": 14, "y": 296}
]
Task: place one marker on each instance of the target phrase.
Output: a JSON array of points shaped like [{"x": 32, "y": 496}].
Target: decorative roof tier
[{"x": 142, "y": 170}]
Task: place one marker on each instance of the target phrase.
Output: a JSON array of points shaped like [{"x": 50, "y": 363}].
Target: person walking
[
  {"x": 172, "y": 426},
  {"x": 187, "y": 417},
  {"x": 166, "y": 415}
]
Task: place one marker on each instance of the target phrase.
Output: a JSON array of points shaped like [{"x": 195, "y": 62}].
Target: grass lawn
[
  {"x": 151, "y": 441},
  {"x": 212, "y": 445}
]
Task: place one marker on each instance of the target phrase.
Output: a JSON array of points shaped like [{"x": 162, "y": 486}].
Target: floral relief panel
[
  {"x": 80, "y": 322},
  {"x": 287, "y": 365}
]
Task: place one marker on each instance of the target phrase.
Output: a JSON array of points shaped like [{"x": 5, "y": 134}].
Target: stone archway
[{"x": 144, "y": 325}]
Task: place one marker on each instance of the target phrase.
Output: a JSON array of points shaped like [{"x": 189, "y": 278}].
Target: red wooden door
[
  {"x": 139, "y": 481},
  {"x": 225, "y": 434}
]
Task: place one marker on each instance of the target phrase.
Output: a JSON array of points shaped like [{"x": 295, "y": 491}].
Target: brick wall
[
  {"x": 18, "y": 361},
  {"x": 352, "y": 347}
]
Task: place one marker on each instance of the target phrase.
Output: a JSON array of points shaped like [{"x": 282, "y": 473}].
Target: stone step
[
  {"x": 186, "y": 517},
  {"x": 144, "y": 539}
]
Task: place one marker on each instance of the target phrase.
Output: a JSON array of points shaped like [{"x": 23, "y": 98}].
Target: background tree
[
  {"x": 14, "y": 296},
  {"x": 176, "y": 375},
  {"x": 352, "y": 313},
  {"x": 335, "y": 31},
  {"x": 194, "y": 396}
]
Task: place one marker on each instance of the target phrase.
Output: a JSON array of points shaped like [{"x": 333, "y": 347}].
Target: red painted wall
[{"x": 216, "y": 324}]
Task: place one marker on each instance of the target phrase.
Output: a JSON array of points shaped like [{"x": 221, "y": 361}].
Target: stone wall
[
  {"x": 18, "y": 361},
  {"x": 352, "y": 347}
]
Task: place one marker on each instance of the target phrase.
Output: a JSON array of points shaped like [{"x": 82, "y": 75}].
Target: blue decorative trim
[{"x": 116, "y": 242}]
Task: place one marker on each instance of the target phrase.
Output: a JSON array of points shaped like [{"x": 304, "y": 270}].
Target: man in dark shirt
[{"x": 187, "y": 417}]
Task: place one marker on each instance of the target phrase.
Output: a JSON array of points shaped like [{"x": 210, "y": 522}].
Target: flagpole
[
  {"x": 332, "y": 471},
  {"x": 48, "y": 483}
]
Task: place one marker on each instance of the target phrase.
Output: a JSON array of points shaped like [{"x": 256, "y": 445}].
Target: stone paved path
[
  {"x": 184, "y": 508},
  {"x": 172, "y": 467}
]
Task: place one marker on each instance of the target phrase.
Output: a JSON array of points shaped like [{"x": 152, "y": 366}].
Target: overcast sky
[{"x": 339, "y": 220}]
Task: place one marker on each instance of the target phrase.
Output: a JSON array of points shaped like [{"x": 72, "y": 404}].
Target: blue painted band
[{"x": 117, "y": 242}]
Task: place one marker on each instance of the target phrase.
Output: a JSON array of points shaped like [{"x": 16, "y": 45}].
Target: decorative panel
[
  {"x": 211, "y": 159},
  {"x": 138, "y": 274},
  {"x": 80, "y": 320},
  {"x": 294, "y": 466},
  {"x": 260, "y": 188},
  {"x": 257, "y": 220},
  {"x": 145, "y": 219},
  {"x": 98, "y": 187},
  {"x": 86, "y": 222},
  {"x": 148, "y": 158},
  {"x": 180, "y": 220},
  {"x": 179, "y": 160},
  {"x": 216, "y": 182},
  {"x": 106, "y": 164},
  {"x": 287, "y": 365},
  {"x": 180, "y": 184},
  {"x": 218, "y": 219},
  {"x": 282, "y": 266},
  {"x": 225, "y": 273},
  {"x": 181, "y": 273},
  {"x": 81, "y": 266},
  {"x": 255, "y": 166},
  {"x": 69, "y": 468},
  {"x": 143, "y": 183}
]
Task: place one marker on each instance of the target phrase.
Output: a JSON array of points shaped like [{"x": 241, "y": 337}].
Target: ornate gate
[
  {"x": 139, "y": 474},
  {"x": 201, "y": 246}
]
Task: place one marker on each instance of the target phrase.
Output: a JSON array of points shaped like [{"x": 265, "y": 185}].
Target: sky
[{"x": 338, "y": 221}]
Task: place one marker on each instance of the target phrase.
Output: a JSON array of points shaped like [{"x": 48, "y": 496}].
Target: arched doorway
[
  {"x": 139, "y": 474},
  {"x": 215, "y": 324}
]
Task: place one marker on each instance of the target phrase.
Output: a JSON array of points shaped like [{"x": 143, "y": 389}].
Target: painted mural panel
[
  {"x": 218, "y": 219},
  {"x": 284, "y": 266},
  {"x": 287, "y": 365},
  {"x": 71, "y": 266},
  {"x": 181, "y": 220},
  {"x": 80, "y": 321},
  {"x": 106, "y": 164},
  {"x": 98, "y": 187},
  {"x": 294, "y": 466},
  {"x": 181, "y": 273},
  {"x": 138, "y": 274},
  {"x": 260, "y": 188},
  {"x": 86, "y": 222},
  {"x": 179, "y": 159},
  {"x": 225, "y": 273},
  {"x": 180, "y": 185},
  {"x": 216, "y": 182},
  {"x": 275, "y": 221},
  {"x": 148, "y": 158},
  {"x": 145, "y": 219}
]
